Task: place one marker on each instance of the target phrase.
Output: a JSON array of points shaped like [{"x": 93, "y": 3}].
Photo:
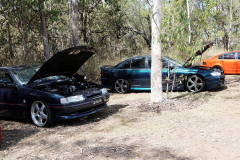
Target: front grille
[{"x": 93, "y": 95}]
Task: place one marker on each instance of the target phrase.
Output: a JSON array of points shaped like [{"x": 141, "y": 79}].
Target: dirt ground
[{"x": 189, "y": 126}]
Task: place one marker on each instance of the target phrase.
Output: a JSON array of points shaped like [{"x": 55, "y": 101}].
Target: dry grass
[{"x": 190, "y": 126}]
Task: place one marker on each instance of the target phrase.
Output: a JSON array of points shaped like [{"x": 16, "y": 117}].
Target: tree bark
[
  {"x": 69, "y": 26},
  {"x": 223, "y": 28},
  {"x": 156, "y": 68},
  {"x": 189, "y": 25},
  {"x": 230, "y": 25},
  {"x": 44, "y": 35},
  {"x": 10, "y": 41},
  {"x": 75, "y": 23}
]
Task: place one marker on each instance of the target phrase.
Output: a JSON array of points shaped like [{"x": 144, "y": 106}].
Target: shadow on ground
[
  {"x": 10, "y": 136},
  {"x": 96, "y": 117},
  {"x": 123, "y": 150}
]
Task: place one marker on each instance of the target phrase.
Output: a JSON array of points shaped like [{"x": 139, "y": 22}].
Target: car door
[
  {"x": 10, "y": 102},
  {"x": 139, "y": 73},
  {"x": 168, "y": 71},
  {"x": 165, "y": 71},
  {"x": 229, "y": 63},
  {"x": 238, "y": 62}
]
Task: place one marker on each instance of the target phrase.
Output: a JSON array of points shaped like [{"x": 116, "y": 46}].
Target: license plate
[{"x": 97, "y": 101}]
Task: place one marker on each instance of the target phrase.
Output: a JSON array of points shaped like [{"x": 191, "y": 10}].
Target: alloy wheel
[
  {"x": 121, "y": 86},
  {"x": 195, "y": 84},
  {"x": 39, "y": 113}
]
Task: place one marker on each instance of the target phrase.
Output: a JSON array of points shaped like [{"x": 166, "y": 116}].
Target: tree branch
[{"x": 149, "y": 3}]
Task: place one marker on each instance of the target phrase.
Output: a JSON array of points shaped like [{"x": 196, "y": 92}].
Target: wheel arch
[{"x": 218, "y": 66}]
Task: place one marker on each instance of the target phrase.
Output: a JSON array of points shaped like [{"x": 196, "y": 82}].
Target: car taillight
[
  {"x": 204, "y": 63},
  {"x": 102, "y": 74}
]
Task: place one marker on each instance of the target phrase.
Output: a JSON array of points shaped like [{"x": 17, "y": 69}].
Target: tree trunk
[
  {"x": 223, "y": 28},
  {"x": 189, "y": 25},
  {"x": 230, "y": 25},
  {"x": 24, "y": 39},
  {"x": 69, "y": 26},
  {"x": 10, "y": 41},
  {"x": 156, "y": 68},
  {"x": 45, "y": 36},
  {"x": 75, "y": 23}
]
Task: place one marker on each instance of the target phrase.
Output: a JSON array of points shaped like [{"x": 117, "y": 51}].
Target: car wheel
[
  {"x": 217, "y": 68},
  {"x": 121, "y": 86},
  {"x": 195, "y": 83},
  {"x": 41, "y": 114}
]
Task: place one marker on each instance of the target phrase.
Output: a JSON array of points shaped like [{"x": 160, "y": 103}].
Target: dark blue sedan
[
  {"x": 134, "y": 74},
  {"x": 53, "y": 91}
]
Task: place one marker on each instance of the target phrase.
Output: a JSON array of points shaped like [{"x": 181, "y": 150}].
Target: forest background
[{"x": 119, "y": 29}]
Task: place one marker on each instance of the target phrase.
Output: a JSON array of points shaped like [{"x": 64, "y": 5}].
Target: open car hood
[
  {"x": 66, "y": 62},
  {"x": 199, "y": 52}
]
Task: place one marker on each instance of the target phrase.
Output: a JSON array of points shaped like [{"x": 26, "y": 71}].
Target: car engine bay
[{"x": 68, "y": 87}]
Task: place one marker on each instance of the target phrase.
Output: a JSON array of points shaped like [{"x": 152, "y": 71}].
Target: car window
[
  {"x": 126, "y": 65},
  {"x": 229, "y": 55},
  {"x": 138, "y": 63},
  {"x": 220, "y": 57},
  {"x": 164, "y": 63},
  {"x": 238, "y": 55},
  {"x": 149, "y": 61},
  {"x": 5, "y": 78}
]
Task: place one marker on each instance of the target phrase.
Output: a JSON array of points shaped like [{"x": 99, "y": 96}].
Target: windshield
[
  {"x": 23, "y": 75},
  {"x": 176, "y": 61}
]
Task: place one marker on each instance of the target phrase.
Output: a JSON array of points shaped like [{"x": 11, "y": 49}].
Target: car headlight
[
  {"x": 71, "y": 99},
  {"x": 104, "y": 91},
  {"x": 216, "y": 74}
]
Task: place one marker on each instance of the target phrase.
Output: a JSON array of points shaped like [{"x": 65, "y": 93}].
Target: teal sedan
[{"x": 135, "y": 74}]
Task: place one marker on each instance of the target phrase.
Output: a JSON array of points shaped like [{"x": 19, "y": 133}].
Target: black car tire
[
  {"x": 41, "y": 114},
  {"x": 121, "y": 86},
  {"x": 217, "y": 68},
  {"x": 195, "y": 83}
]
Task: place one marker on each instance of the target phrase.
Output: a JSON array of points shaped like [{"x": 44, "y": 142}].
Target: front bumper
[
  {"x": 215, "y": 82},
  {"x": 79, "y": 109}
]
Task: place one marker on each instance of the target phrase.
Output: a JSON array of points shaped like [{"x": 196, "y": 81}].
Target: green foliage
[{"x": 102, "y": 25}]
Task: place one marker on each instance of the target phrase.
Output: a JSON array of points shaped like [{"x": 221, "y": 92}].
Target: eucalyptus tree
[
  {"x": 75, "y": 23},
  {"x": 156, "y": 55}
]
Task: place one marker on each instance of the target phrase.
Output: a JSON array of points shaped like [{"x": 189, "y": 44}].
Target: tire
[
  {"x": 217, "y": 68},
  {"x": 41, "y": 114},
  {"x": 121, "y": 86},
  {"x": 195, "y": 83}
]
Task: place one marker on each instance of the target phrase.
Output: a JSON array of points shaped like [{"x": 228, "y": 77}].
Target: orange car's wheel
[{"x": 217, "y": 68}]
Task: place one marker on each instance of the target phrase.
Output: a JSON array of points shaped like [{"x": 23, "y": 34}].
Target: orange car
[{"x": 228, "y": 62}]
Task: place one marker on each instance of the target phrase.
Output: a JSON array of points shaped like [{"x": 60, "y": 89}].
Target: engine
[{"x": 67, "y": 87}]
